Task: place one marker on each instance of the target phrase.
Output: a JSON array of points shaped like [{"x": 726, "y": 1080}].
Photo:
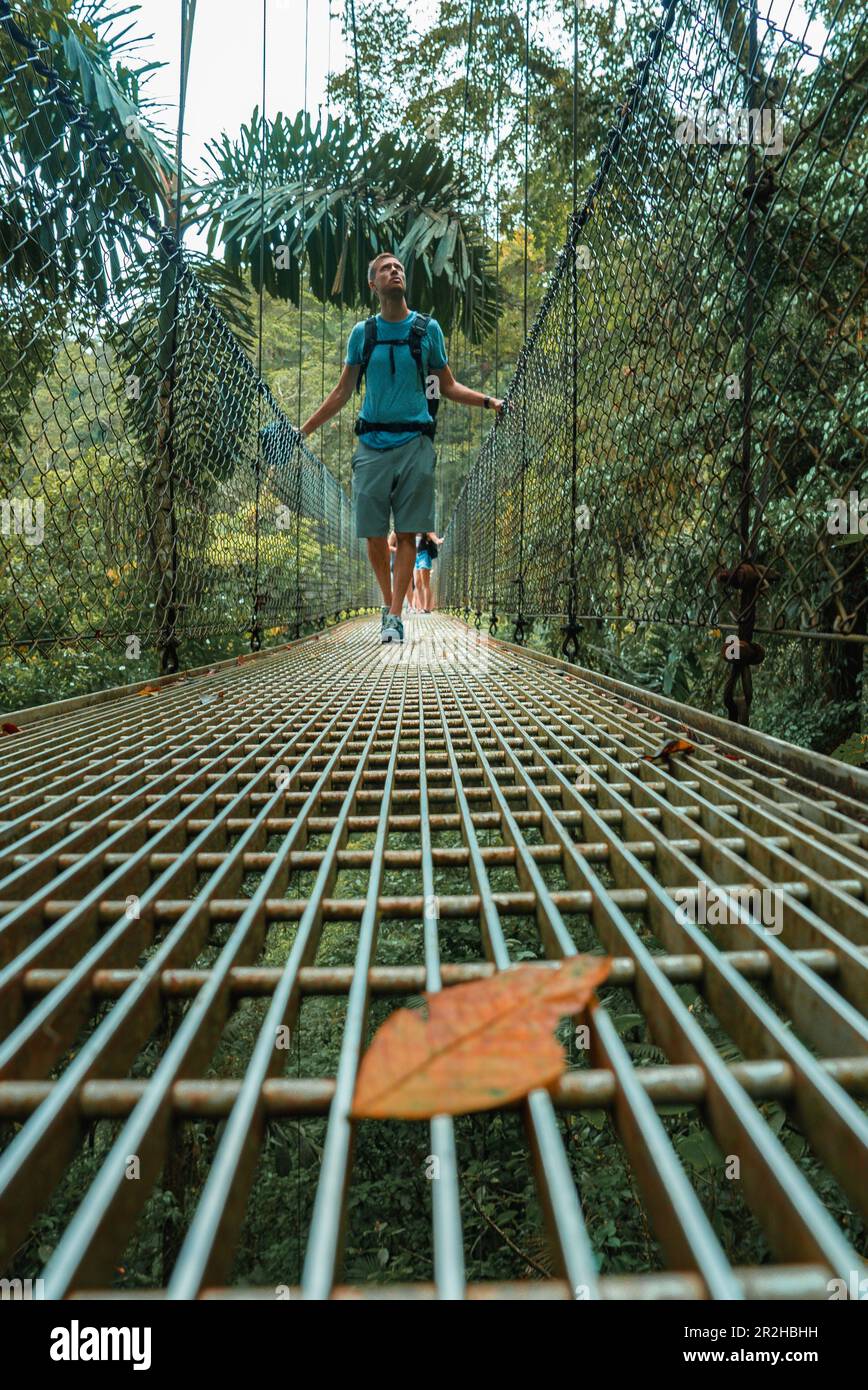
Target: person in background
[{"x": 427, "y": 543}]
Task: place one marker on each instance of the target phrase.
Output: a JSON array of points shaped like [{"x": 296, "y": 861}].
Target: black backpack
[{"x": 413, "y": 341}]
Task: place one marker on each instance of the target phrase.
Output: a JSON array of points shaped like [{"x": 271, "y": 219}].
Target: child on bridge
[{"x": 426, "y": 553}]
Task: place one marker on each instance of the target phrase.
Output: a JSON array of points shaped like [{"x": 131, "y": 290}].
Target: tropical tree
[{"x": 288, "y": 192}]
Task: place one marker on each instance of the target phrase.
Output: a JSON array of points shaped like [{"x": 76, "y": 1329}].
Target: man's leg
[
  {"x": 378, "y": 554},
  {"x": 372, "y": 481},
  {"x": 404, "y": 562}
]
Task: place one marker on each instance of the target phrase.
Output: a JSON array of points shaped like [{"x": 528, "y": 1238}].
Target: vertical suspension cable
[
  {"x": 255, "y": 626},
  {"x": 492, "y": 625},
  {"x": 357, "y": 69},
  {"x": 519, "y": 631},
  {"x": 453, "y": 293},
  {"x": 360, "y": 210},
  {"x": 479, "y": 585},
  {"x": 324, "y": 234},
  {"x": 301, "y": 259},
  {"x": 365, "y": 209},
  {"x": 323, "y": 521},
  {"x": 169, "y": 617},
  {"x": 339, "y": 588},
  {"x": 188, "y": 15},
  {"x": 570, "y": 648}
]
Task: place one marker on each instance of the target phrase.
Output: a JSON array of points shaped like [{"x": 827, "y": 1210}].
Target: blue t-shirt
[{"x": 400, "y": 396}]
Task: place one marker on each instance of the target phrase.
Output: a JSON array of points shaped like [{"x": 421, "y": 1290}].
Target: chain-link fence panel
[
  {"x": 684, "y": 440},
  {"x": 152, "y": 492}
]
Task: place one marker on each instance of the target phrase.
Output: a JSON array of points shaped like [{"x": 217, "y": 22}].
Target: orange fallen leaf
[
  {"x": 675, "y": 745},
  {"x": 149, "y": 690},
  {"x": 10, "y": 728},
  {"x": 482, "y": 1045}
]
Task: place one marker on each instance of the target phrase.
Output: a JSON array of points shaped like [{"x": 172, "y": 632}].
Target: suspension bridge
[{"x": 281, "y": 826}]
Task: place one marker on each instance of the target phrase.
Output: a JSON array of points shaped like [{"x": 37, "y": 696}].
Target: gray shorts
[{"x": 398, "y": 481}]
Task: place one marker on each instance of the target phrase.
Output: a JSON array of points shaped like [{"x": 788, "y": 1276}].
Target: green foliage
[
  {"x": 44, "y": 154},
  {"x": 332, "y": 202}
]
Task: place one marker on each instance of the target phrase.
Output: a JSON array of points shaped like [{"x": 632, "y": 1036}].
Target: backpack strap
[
  {"x": 418, "y": 329},
  {"x": 367, "y": 347},
  {"x": 417, "y": 334}
]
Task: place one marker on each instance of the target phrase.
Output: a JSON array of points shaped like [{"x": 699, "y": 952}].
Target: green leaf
[
  {"x": 445, "y": 249},
  {"x": 699, "y": 1150},
  {"x": 595, "y": 1118}
]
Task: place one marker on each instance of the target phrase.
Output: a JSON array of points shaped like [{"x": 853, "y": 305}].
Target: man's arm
[
  {"x": 454, "y": 391},
  {"x": 336, "y": 399}
]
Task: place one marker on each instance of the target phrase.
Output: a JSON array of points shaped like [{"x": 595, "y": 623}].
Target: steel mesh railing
[
  {"x": 153, "y": 492},
  {"x": 685, "y": 434}
]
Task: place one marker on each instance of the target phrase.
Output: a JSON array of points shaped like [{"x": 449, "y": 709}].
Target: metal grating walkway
[{"x": 142, "y": 834}]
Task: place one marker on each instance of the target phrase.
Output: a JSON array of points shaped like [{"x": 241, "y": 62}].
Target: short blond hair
[{"x": 383, "y": 256}]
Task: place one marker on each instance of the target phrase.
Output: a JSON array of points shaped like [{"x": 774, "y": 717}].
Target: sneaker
[
  {"x": 384, "y": 613},
  {"x": 392, "y": 629}
]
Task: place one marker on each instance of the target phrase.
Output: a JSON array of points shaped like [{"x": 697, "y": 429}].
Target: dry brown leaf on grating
[
  {"x": 482, "y": 1044},
  {"x": 675, "y": 745}
]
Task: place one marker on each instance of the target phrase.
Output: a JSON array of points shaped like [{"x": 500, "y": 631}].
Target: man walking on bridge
[{"x": 401, "y": 355}]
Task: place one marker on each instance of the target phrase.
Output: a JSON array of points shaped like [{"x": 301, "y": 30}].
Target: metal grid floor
[{"x": 134, "y": 828}]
